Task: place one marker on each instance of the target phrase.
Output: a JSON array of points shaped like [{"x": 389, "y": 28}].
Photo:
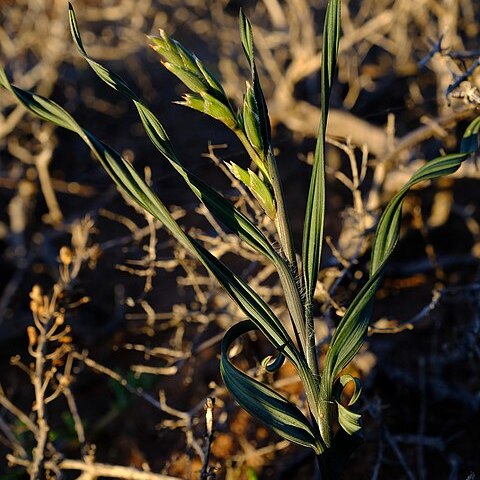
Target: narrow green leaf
[
  {"x": 109, "y": 77},
  {"x": 349, "y": 421},
  {"x": 352, "y": 330},
  {"x": 222, "y": 209},
  {"x": 264, "y": 403},
  {"x": 315, "y": 211},
  {"x": 246, "y": 36}
]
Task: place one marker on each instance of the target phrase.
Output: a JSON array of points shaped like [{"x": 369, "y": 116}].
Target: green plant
[{"x": 316, "y": 429}]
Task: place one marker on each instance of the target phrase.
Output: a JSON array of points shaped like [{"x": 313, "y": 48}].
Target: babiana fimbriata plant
[{"x": 327, "y": 426}]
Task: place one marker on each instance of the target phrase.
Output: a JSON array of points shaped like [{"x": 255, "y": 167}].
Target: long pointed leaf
[
  {"x": 275, "y": 411},
  {"x": 221, "y": 208},
  {"x": 352, "y": 330},
  {"x": 126, "y": 177},
  {"x": 315, "y": 211},
  {"x": 128, "y": 180}
]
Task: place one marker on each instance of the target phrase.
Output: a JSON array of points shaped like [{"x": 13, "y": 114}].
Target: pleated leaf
[
  {"x": 352, "y": 330},
  {"x": 350, "y": 421},
  {"x": 264, "y": 403},
  {"x": 261, "y": 109},
  {"x": 220, "y": 208},
  {"x": 315, "y": 211}
]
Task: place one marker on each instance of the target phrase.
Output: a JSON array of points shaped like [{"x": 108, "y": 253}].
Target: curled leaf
[
  {"x": 350, "y": 421},
  {"x": 264, "y": 403},
  {"x": 271, "y": 364}
]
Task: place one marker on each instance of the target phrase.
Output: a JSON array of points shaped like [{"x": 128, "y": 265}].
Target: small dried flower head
[
  {"x": 32, "y": 335},
  {"x": 60, "y": 318},
  {"x": 36, "y": 293},
  {"x": 66, "y": 255},
  {"x": 65, "y": 381},
  {"x": 36, "y": 304}
]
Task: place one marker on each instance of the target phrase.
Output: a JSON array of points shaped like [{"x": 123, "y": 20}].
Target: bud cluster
[{"x": 208, "y": 95}]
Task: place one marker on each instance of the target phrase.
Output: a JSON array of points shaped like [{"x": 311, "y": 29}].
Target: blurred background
[{"x": 119, "y": 379}]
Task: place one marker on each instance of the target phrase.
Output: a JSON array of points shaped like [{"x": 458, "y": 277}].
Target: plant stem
[
  {"x": 282, "y": 221},
  {"x": 38, "y": 380},
  {"x": 252, "y": 153},
  {"x": 311, "y": 344},
  {"x": 268, "y": 166},
  {"x": 325, "y": 419},
  {"x": 325, "y": 468}
]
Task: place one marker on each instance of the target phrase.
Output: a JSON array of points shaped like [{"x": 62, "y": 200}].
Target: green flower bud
[
  {"x": 193, "y": 100},
  {"x": 258, "y": 188},
  {"x": 165, "y": 46},
  {"x": 211, "y": 80},
  {"x": 206, "y": 103},
  {"x": 239, "y": 173},
  {"x": 251, "y": 120},
  {"x": 191, "y": 80},
  {"x": 219, "y": 110}
]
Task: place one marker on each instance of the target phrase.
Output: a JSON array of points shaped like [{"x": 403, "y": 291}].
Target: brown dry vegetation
[{"x": 109, "y": 332}]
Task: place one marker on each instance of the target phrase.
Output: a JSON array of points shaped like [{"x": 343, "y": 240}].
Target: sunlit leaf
[
  {"x": 315, "y": 211},
  {"x": 275, "y": 411},
  {"x": 222, "y": 209},
  {"x": 352, "y": 330},
  {"x": 350, "y": 421}
]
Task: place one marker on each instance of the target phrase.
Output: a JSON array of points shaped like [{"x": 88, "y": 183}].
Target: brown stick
[{"x": 96, "y": 469}]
